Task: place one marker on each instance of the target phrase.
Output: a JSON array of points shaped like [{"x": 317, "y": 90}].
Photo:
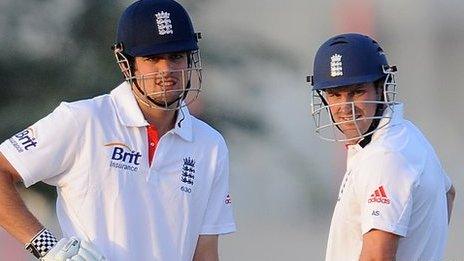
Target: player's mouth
[
  {"x": 166, "y": 83},
  {"x": 349, "y": 118}
]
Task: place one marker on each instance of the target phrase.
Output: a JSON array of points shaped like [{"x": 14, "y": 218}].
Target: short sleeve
[
  {"x": 385, "y": 190},
  {"x": 46, "y": 149},
  {"x": 219, "y": 217}
]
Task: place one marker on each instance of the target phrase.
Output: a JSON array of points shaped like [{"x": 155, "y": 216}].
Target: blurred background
[{"x": 256, "y": 55}]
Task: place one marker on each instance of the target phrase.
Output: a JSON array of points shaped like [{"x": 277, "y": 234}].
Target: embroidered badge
[
  {"x": 164, "y": 23},
  {"x": 188, "y": 171},
  {"x": 187, "y": 174},
  {"x": 336, "y": 66}
]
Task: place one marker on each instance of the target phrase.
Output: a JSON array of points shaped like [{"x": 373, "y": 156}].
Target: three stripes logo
[{"x": 379, "y": 196}]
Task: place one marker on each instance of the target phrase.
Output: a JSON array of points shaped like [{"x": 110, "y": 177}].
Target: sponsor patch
[
  {"x": 123, "y": 157},
  {"x": 379, "y": 196},
  {"x": 24, "y": 140}
]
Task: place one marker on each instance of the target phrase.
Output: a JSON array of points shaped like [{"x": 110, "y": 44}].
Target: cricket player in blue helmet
[
  {"x": 138, "y": 177},
  {"x": 344, "y": 60},
  {"x": 174, "y": 35},
  {"x": 395, "y": 200}
]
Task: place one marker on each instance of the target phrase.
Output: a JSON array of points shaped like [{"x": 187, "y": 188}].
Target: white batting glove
[{"x": 73, "y": 249}]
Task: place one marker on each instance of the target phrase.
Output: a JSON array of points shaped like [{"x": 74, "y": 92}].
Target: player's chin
[
  {"x": 169, "y": 99},
  {"x": 348, "y": 127}
]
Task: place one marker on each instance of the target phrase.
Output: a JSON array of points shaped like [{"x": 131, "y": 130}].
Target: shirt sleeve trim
[
  {"x": 394, "y": 229},
  {"x": 25, "y": 174},
  {"x": 218, "y": 230}
]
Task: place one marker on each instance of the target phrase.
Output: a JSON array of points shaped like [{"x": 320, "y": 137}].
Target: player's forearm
[
  {"x": 450, "y": 195},
  {"x": 15, "y": 218},
  {"x": 379, "y": 245},
  {"x": 207, "y": 248},
  {"x": 367, "y": 255}
]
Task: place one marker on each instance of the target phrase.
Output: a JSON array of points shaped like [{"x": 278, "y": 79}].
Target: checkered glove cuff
[{"x": 41, "y": 243}]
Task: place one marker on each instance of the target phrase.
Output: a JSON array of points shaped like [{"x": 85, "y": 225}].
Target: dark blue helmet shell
[
  {"x": 152, "y": 27},
  {"x": 348, "y": 59}
]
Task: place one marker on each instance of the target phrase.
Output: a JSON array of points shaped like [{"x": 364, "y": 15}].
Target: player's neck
[{"x": 163, "y": 120}]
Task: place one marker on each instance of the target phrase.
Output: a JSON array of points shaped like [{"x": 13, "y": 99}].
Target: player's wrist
[{"x": 41, "y": 243}]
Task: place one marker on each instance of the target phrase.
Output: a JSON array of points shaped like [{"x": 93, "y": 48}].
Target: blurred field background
[{"x": 256, "y": 54}]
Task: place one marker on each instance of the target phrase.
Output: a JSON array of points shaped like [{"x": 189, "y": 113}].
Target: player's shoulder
[
  {"x": 383, "y": 162},
  {"x": 384, "y": 165},
  {"x": 90, "y": 103},
  {"x": 88, "y": 108},
  {"x": 206, "y": 133},
  {"x": 404, "y": 143}
]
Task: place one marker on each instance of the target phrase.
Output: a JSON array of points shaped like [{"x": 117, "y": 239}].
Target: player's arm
[
  {"x": 207, "y": 248},
  {"x": 15, "y": 218},
  {"x": 19, "y": 222},
  {"x": 450, "y": 195},
  {"x": 379, "y": 245}
]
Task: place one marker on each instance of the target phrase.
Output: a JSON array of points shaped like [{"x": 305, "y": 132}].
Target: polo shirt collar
[
  {"x": 183, "y": 126},
  {"x": 130, "y": 115},
  {"x": 392, "y": 116}
]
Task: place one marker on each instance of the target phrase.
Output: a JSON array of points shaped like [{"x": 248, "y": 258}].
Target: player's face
[
  {"x": 163, "y": 75},
  {"x": 353, "y": 100}
]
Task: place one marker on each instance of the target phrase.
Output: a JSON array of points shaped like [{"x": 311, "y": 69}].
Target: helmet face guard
[
  {"x": 155, "y": 27},
  {"x": 346, "y": 60},
  {"x": 328, "y": 129},
  {"x": 189, "y": 82}
]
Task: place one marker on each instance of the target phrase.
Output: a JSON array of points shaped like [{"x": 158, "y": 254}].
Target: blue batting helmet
[
  {"x": 152, "y": 27},
  {"x": 348, "y": 59}
]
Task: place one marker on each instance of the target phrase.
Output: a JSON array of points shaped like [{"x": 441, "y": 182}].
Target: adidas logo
[{"x": 379, "y": 196}]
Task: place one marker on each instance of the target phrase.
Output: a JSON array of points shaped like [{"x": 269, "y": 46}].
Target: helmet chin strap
[{"x": 374, "y": 124}]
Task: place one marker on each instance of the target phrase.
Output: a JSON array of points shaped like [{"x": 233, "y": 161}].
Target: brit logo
[
  {"x": 379, "y": 196},
  {"x": 336, "y": 66},
  {"x": 24, "y": 140},
  {"x": 188, "y": 174},
  {"x": 164, "y": 23},
  {"x": 123, "y": 157}
]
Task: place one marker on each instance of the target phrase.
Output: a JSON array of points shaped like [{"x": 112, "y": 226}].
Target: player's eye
[
  {"x": 151, "y": 59},
  {"x": 359, "y": 92},
  {"x": 333, "y": 94},
  {"x": 177, "y": 56}
]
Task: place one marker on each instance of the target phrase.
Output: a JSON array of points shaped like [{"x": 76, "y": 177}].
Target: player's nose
[
  {"x": 164, "y": 65},
  {"x": 346, "y": 103}
]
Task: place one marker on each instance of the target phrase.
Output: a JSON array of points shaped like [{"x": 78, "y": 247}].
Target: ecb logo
[
  {"x": 164, "y": 23},
  {"x": 187, "y": 174}
]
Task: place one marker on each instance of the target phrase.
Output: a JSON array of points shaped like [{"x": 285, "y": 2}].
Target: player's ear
[
  {"x": 133, "y": 64},
  {"x": 378, "y": 85}
]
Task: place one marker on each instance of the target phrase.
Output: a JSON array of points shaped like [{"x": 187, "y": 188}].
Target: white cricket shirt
[
  {"x": 396, "y": 184},
  {"x": 96, "y": 153}
]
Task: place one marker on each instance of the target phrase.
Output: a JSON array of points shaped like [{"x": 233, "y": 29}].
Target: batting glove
[{"x": 73, "y": 249}]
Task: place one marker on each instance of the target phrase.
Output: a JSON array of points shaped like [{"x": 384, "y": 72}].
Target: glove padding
[{"x": 73, "y": 249}]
